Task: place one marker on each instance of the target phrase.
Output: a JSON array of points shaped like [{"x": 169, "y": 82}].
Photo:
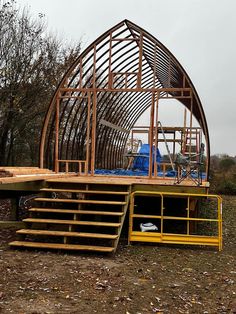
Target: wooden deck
[
  {"x": 97, "y": 179},
  {"x": 33, "y": 179},
  {"x": 102, "y": 179}
]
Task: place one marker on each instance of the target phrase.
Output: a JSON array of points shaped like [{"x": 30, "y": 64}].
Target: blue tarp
[
  {"x": 141, "y": 165},
  {"x": 142, "y": 162},
  {"x": 123, "y": 172}
]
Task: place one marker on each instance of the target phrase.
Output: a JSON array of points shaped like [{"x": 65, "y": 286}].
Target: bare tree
[{"x": 32, "y": 63}]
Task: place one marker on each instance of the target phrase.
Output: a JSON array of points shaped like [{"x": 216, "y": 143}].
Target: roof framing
[{"x": 113, "y": 80}]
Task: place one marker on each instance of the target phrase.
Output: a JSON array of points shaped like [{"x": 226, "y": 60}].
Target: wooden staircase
[{"x": 76, "y": 216}]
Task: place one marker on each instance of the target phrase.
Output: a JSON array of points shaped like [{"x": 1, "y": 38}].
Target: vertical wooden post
[
  {"x": 156, "y": 135},
  {"x": 191, "y": 126},
  {"x": 174, "y": 146},
  {"x": 132, "y": 141},
  {"x": 156, "y": 120},
  {"x": 183, "y": 135},
  {"x": 94, "y": 122},
  {"x": 152, "y": 112},
  {"x": 67, "y": 167},
  {"x": 57, "y": 134},
  {"x": 14, "y": 208},
  {"x": 185, "y": 117},
  {"x": 88, "y": 133}
]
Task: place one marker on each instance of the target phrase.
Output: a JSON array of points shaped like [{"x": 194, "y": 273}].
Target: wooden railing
[{"x": 82, "y": 166}]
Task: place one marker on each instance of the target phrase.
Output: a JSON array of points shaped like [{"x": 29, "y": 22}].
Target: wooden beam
[
  {"x": 94, "y": 122},
  {"x": 113, "y": 126},
  {"x": 88, "y": 134},
  {"x": 152, "y": 111},
  {"x": 156, "y": 135},
  {"x": 56, "y": 165}
]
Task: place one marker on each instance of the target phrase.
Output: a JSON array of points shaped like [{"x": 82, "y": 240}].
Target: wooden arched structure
[{"x": 118, "y": 77}]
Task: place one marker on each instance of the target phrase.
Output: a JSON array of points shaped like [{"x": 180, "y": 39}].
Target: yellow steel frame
[{"x": 161, "y": 237}]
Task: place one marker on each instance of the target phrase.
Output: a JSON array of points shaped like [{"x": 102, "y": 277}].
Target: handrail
[
  {"x": 79, "y": 162},
  {"x": 176, "y": 238}
]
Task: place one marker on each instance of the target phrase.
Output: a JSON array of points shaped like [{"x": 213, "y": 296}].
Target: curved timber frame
[{"x": 97, "y": 103}]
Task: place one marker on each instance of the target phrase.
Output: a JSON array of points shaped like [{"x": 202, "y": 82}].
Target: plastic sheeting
[
  {"x": 142, "y": 162},
  {"x": 136, "y": 173}
]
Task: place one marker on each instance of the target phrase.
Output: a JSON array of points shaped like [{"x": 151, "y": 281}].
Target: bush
[
  {"x": 226, "y": 164},
  {"x": 227, "y": 187}
]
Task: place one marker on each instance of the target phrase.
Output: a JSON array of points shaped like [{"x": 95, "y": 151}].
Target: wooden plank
[
  {"x": 113, "y": 126},
  {"x": 67, "y": 234},
  {"x": 24, "y": 170},
  {"x": 150, "y": 135},
  {"x": 11, "y": 167},
  {"x": 98, "y": 179},
  {"x": 35, "y": 177},
  {"x": 60, "y": 246},
  {"x": 123, "y": 180},
  {"x": 56, "y": 149},
  {"x": 64, "y": 200},
  {"x": 72, "y": 222},
  {"x": 93, "y": 133},
  {"x": 88, "y": 134},
  {"x": 75, "y": 211},
  {"x": 84, "y": 191}
]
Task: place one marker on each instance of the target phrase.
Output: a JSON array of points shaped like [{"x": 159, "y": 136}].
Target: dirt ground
[{"x": 137, "y": 279}]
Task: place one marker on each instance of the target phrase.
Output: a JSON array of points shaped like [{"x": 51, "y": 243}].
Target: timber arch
[{"x": 95, "y": 107}]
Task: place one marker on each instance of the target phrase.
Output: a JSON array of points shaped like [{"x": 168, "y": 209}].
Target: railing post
[
  {"x": 57, "y": 134},
  {"x": 67, "y": 167}
]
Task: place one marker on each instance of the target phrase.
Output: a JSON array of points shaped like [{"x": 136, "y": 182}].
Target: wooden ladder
[
  {"x": 71, "y": 216},
  {"x": 191, "y": 147}
]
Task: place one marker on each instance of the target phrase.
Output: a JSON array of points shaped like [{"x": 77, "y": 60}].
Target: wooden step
[
  {"x": 60, "y": 246},
  {"x": 73, "y": 222},
  {"x": 84, "y": 191},
  {"x": 65, "y": 200},
  {"x": 67, "y": 234},
  {"x": 75, "y": 211}
]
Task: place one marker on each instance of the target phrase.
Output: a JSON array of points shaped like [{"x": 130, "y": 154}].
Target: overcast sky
[{"x": 200, "y": 33}]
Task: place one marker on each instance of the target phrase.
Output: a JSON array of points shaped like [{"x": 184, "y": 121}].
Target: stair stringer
[{"x": 122, "y": 219}]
